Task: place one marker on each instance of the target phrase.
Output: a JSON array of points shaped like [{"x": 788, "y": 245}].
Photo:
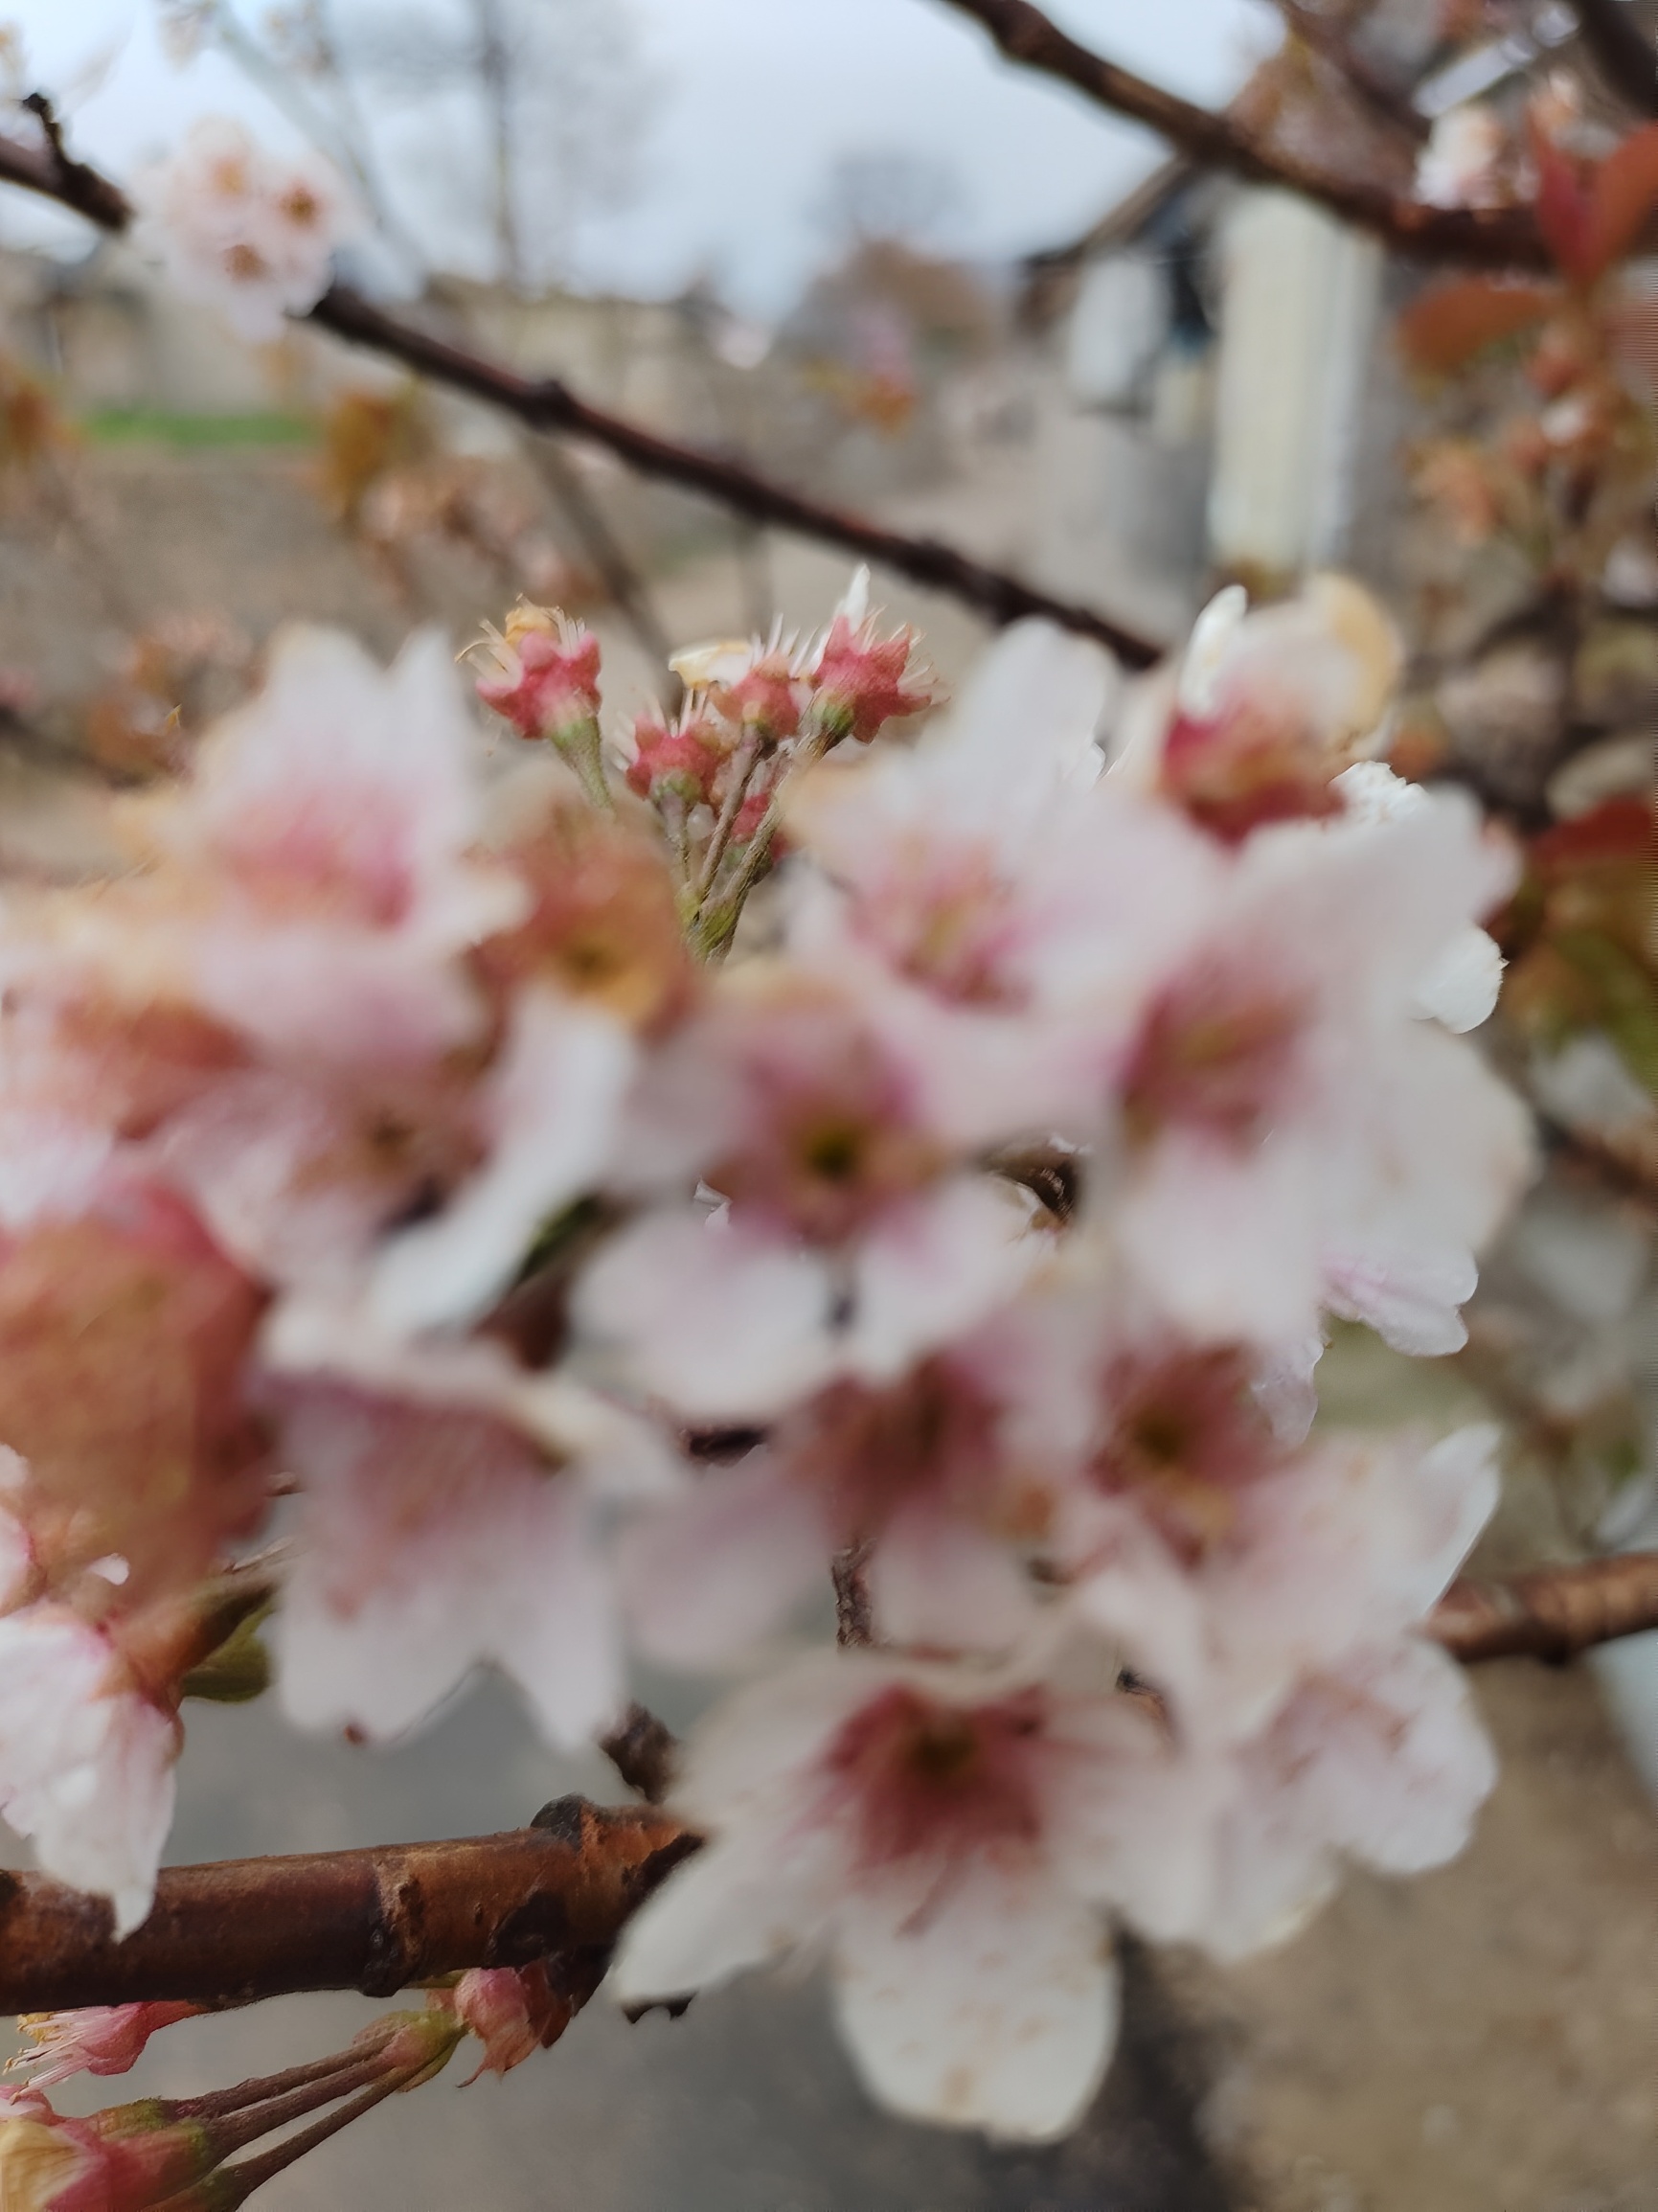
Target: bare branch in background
[
  {"x": 1328, "y": 38},
  {"x": 1503, "y": 238},
  {"x": 545, "y": 404}
]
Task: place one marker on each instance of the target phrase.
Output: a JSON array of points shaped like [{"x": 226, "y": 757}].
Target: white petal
[
  {"x": 1211, "y": 636},
  {"x": 1460, "y": 988},
  {"x": 742, "y": 1901},
  {"x": 940, "y": 1581},
  {"x": 725, "y": 1325},
  {"x": 552, "y": 1106},
  {"x": 1412, "y": 1300},
  {"x": 1037, "y": 699},
  {"x": 932, "y": 1269},
  {"x": 993, "y": 2007},
  {"x": 720, "y": 1567},
  {"x": 1403, "y": 1764}
]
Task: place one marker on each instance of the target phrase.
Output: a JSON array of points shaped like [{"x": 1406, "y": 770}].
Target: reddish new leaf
[
  {"x": 1447, "y": 325},
  {"x": 1620, "y": 829},
  {"x": 1624, "y": 189},
  {"x": 1565, "y": 208}
]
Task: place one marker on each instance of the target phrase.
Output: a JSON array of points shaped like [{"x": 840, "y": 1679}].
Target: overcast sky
[{"x": 752, "y": 102}]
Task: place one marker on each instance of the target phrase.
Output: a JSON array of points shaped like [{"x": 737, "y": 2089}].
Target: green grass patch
[{"x": 195, "y": 433}]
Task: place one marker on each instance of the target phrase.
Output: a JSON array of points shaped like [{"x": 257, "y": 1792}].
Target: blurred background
[{"x": 836, "y": 239}]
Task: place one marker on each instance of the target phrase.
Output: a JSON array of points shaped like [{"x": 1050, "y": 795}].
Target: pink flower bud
[
  {"x": 766, "y": 699},
  {"x": 545, "y": 679},
  {"x": 861, "y": 680},
  {"x": 513, "y": 2013},
  {"x": 127, "y": 2160},
  {"x": 99, "y": 2039},
  {"x": 681, "y": 762}
]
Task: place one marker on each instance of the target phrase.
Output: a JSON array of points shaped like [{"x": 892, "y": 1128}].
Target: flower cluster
[
  {"x": 162, "y": 2155},
  {"x": 396, "y": 1132},
  {"x": 243, "y": 230}
]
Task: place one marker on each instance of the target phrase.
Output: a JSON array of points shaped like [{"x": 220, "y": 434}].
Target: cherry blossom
[
  {"x": 248, "y": 231},
  {"x": 448, "y": 1520},
  {"x": 1462, "y": 165},
  {"x": 1280, "y": 1103},
  {"x": 1011, "y": 913},
  {"x": 1264, "y": 709},
  {"x": 849, "y": 1235},
  {"x": 1381, "y": 1759},
  {"x": 950, "y": 1843},
  {"x": 97, "y": 2039},
  {"x": 1342, "y": 1546},
  {"x": 929, "y": 1472}
]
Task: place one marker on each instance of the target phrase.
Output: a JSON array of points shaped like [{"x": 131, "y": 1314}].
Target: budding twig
[{"x": 379, "y": 1920}]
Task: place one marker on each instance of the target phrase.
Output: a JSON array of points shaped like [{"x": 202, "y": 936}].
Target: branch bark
[
  {"x": 374, "y": 1921},
  {"x": 546, "y": 404},
  {"x": 1503, "y": 238},
  {"x": 1621, "y": 55},
  {"x": 1551, "y": 1614}
]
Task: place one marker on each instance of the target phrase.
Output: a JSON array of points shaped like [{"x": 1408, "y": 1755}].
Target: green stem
[
  {"x": 714, "y": 932},
  {"x": 743, "y": 763}
]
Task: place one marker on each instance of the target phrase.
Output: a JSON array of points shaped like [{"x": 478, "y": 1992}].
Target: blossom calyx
[
  {"x": 546, "y": 671},
  {"x": 679, "y": 762},
  {"x": 513, "y": 2011},
  {"x": 861, "y": 682}
]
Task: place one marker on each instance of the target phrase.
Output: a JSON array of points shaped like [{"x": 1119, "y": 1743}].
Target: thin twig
[
  {"x": 1505, "y": 237},
  {"x": 253, "y": 2173},
  {"x": 602, "y": 547},
  {"x": 644, "y": 1751},
  {"x": 854, "y": 1618},
  {"x": 546, "y": 403}
]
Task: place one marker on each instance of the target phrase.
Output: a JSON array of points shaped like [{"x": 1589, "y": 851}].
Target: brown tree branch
[
  {"x": 1551, "y": 1614},
  {"x": 374, "y": 1921},
  {"x": 1629, "y": 65},
  {"x": 1503, "y": 238},
  {"x": 1328, "y": 38},
  {"x": 545, "y": 404},
  {"x": 562, "y": 1890}
]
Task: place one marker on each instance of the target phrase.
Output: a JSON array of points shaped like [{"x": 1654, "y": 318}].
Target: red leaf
[
  {"x": 1564, "y": 209},
  {"x": 1446, "y": 326},
  {"x": 1625, "y": 189},
  {"x": 1619, "y": 829}
]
